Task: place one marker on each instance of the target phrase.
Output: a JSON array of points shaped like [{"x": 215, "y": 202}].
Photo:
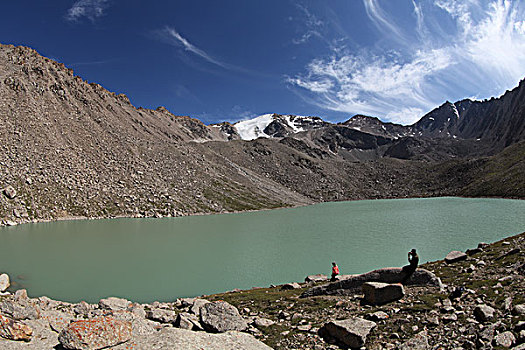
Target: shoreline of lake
[{"x": 8, "y": 223}]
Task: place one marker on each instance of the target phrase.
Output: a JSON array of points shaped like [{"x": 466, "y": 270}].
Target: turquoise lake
[{"x": 163, "y": 259}]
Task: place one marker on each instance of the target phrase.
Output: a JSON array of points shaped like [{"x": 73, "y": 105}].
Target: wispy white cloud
[
  {"x": 179, "y": 40},
  {"x": 90, "y": 9},
  {"x": 312, "y": 24},
  {"x": 484, "y": 56},
  {"x": 380, "y": 19}
]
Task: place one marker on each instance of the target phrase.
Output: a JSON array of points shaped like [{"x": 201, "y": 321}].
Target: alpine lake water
[{"x": 162, "y": 259}]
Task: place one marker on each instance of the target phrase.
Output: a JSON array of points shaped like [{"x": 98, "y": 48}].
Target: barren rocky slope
[{"x": 73, "y": 149}]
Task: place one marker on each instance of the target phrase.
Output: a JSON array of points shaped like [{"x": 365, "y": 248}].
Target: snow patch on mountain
[{"x": 253, "y": 128}]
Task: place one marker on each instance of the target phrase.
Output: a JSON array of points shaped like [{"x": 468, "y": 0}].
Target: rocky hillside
[
  {"x": 469, "y": 300},
  {"x": 73, "y": 149}
]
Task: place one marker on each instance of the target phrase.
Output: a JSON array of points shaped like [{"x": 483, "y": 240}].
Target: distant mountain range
[{"x": 72, "y": 148}]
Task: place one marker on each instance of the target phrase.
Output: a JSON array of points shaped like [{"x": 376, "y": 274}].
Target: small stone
[
  {"x": 505, "y": 339},
  {"x": 449, "y": 318},
  {"x": 455, "y": 256},
  {"x": 378, "y": 316},
  {"x": 260, "y": 322},
  {"x": 304, "y": 328},
  {"x": 4, "y": 282},
  {"x": 483, "y": 313},
  {"x": 418, "y": 342},
  {"x": 518, "y": 310},
  {"x": 10, "y": 192},
  {"x": 482, "y": 245}
]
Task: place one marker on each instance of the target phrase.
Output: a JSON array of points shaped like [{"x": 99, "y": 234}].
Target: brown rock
[
  {"x": 96, "y": 333},
  {"x": 14, "y": 330}
]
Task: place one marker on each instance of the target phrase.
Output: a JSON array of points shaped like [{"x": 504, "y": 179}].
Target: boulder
[
  {"x": 114, "y": 304},
  {"x": 57, "y": 320},
  {"x": 182, "y": 339},
  {"x": 197, "y": 305},
  {"x": 455, "y": 256},
  {"x": 220, "y": 317},
  {"x": 188, "y": 321},
  {"x": 22, "y": 309},
  {"x": 289, "y": 286},
  {"x": 482, "y": 245},
  {"x": 316, "y": 278},
  {"x": 518, "y": 310},
  {"x": 10, "y": 192},
  {"x": 161, "y": 315},
  {"x": 418, "y": 342},
  {"x": 260, "y": 322},
  {"x": 351, "y": 332},
  {"x": 351, "y": 285},
  {"x": 378, "y": 293},
  {"x": 4, "y": 282},
  {"x": 505, "y": 339},
  {"x": 12, "y": 329},
  {"x": 96, "y": 333},
  {"x": 483, "y": 313}
]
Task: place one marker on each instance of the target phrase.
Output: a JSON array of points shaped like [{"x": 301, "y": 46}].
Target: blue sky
[{"x": 236, "y": 59}]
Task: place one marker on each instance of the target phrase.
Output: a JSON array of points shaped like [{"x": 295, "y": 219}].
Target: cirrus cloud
[{"x": 481, "y": 55}]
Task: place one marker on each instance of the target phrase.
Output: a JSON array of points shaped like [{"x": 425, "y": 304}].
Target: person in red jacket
[{"x": 335, "y": 271}]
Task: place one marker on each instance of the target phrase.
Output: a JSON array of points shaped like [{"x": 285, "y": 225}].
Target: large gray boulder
[
  {"x": 114, "y": 304},
  {"x": 12, "y": 329},
  {"x": 197, "y": 306},
  {"x": 378, "y": 293},
  {"x": 420, "y": 277},
  {"x": 219, "y": 316},
  {"x": 455, "y": 256},
  {"x": 96, "y": 333},
  {"x": 21, "y": 309},
  {"x": 4, "y": 282},
  {"x": 161, "y": 315},
  {"x": 351, "y": 332}
]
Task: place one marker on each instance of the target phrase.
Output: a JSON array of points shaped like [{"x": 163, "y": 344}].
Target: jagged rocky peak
[
  {"x": 375, "y": 126},
  {"x": 276, "y": 125},
  {"x": 440, "y": 122}
]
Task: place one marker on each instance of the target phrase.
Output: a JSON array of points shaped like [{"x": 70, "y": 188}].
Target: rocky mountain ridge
[{"x": 73, "y": 149}]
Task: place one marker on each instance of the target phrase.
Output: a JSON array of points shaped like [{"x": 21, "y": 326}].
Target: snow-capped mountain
[{"x": 276, "y": 125}]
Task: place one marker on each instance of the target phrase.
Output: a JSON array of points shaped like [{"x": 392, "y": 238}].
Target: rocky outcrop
[
  {"x": 351, "y": 332},
  {"x": 96, "y": 333},
  {"x": 420, "y": 277},
  {"x": 378, "y": 293}
]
